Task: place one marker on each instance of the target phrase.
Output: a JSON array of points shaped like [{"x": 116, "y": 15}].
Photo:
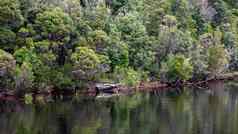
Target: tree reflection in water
[{"x": 186, "y": 111}]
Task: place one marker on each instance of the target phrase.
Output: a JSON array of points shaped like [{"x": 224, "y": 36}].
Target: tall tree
[
  {"x": 10, "y": 14},
  {"x": 55, "y": 26}
]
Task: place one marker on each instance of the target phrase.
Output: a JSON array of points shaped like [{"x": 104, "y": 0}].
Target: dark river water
[{"x": 177, "y": 111}]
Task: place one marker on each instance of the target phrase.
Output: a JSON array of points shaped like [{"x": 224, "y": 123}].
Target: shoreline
[{"x": 119, "y": 89}]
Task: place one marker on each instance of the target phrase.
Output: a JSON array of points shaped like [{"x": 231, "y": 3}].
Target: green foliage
[
  {"x": 86, "y": 58},
  {"x": 153, "y": 16},
  {"x": 56, "y": 27},
  {"x": 24, "y": 37},
  {"x": 177, "y": 67},
  {"x": 134, "y": 33},
  {"x": 118, "y": 54},
  {"x": 73, "y": 8},
  {"x": 230, "y": 40},
  {"x": 54, "y": 24},
  {"x": 26, "y": 55},
  {"x": 85, "y": 62},
  {"x": 10, "y": 14},
  {"x": 24, "y": 76},
  {"x": 98, "y": 40},
  {"x": 97, "y": 17},
  {"x": 28, "y": 99},
  {"x": 130, "y": 26},
  {"x": 217, "y": 59},
  {"x": 116, "y": 5},
  {"x": 7, "y": 39},
  {"x": 127, "y": 76},
  {"x": 60, "y": 79},
  {"x": 7, "y": 60},
  {"x": 181, "y": 10},
  {"x": 222, "y": 12},
  {"x": 62, "y": 43},
  {"x": 7, "y": 67},
  {"x": 201, "y": 25},
  {"x": 199, "y": 61},
  {"x": 173, "y": 41}
]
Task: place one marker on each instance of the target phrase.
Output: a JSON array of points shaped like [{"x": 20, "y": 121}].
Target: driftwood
[{"x": 106, "y": 87}]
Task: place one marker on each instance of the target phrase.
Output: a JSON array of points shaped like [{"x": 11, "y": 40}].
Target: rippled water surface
[{"x": 181, "y": 111}]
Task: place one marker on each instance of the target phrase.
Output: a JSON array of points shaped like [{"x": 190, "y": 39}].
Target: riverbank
[{"x": 93, "y": 89}]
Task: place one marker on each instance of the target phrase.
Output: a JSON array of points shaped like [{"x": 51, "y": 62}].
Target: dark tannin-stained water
[{"x": 181, "y": 111}]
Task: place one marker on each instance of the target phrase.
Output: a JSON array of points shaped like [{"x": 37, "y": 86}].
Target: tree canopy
[{"x": 62, "y": 43}]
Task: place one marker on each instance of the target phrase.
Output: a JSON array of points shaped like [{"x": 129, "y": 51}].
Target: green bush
[
  {"x": 177, "y": 67},
  {"x": 127, "y": 76},
  {"x": 7, "y": 39},
  {"x": 10, "y": 14},
  {"x": 24, "y": 77},
  {"x": 7, "y": 68},
  {"x": 85, "y": 63},
  {"x": 217, "y": 59},
  {"x": 118, "y": 55}
]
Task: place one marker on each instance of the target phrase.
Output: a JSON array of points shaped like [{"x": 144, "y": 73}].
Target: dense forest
[{"x": 67, "y": 43}]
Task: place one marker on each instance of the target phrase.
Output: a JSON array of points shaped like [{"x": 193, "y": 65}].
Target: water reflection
[{"x": 186, "y": 111}]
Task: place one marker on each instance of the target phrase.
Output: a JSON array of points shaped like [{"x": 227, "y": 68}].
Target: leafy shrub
[
  {"x": 177, "y": 67},
  {"x": 127, "y": 76},
  {"x": 7, "y": 67},
  {"x": 60, "y": 80},
  {"x": 217, "y": 59},
  {"x": 24, "y": 77},
  {"x": 7, "y": 39},
  {"x": 10, "y": 14},
  {"x": 85, "y": 63},
  {"x": 118, "y": 55},
  {"x": 28, "y": 99}
]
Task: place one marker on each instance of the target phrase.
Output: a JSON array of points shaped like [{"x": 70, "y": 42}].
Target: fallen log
[{"x": 106, "y": 87}]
